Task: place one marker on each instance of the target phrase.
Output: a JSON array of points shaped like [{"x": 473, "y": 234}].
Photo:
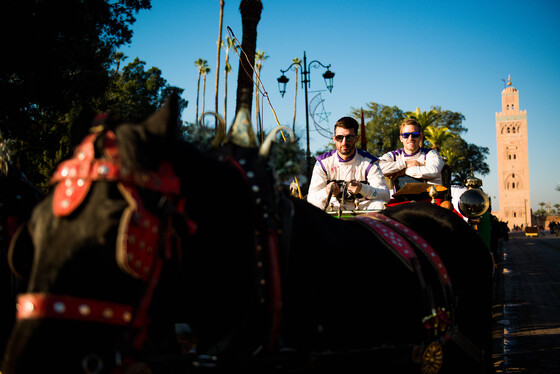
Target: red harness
[
  {"x": 400, "y": 239},
  {"x": 41, "y": 305},
  {"x": 433, "y": 257},
  {"x": 138, "y": 238},
  {"x": 75, "y": 176}
]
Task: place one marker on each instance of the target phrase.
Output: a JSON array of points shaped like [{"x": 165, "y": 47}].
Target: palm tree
[
  {"x": 250, "y": 17},
  {"x": 218, "y": 57},
  {"x": 541, "y": 204},
  {"x": 297, "y": 63},
  {"x": 230, "y": 43},
  {"x": 260, "y": 56},
  {"x": 200, "y": 64},
  {"x": 436, "y": 135},
  {"x": 205, "y": 71},
  {"x": 118, "y": 56},
  {"x": 452, "y": 157},
  {"x": 424, "y": 118}
]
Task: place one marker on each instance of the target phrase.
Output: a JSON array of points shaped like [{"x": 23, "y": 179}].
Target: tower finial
[{"x": 509, "y": 80}]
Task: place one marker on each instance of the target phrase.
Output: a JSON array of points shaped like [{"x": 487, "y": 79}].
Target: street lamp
[
  {"x": 282, "y": 84},
  {"x": 305, "y": 82}
]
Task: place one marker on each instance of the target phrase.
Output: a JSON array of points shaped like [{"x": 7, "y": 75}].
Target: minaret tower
[{"x": 513, "y": 160}]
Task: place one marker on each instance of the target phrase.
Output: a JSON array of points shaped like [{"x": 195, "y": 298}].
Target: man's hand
[
  {"x": 397, "y": 174},
  {"x": 354, "y": 187},
  {"x": 335, "y": 189}
]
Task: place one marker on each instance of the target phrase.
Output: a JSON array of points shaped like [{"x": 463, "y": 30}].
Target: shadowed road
[{"x": 527, "y": 337}]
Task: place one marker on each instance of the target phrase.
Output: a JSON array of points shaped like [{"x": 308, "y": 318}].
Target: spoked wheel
[{"x": 432, "y": 358}]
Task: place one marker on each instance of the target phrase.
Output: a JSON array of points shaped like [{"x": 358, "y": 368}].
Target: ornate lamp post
[{"x": 305, "y": 82}]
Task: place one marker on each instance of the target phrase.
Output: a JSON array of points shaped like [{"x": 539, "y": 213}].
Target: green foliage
[
  {"x": 382, "y": 127},
  {"x": 59, "y": 73},
  {"x": 451, "y": 156},
  {"x": 424, "y": 118},
  {"x": 199, "y": 136},
  {"x": 467, "y": 154},
  {"x": 436, "y": 135},
  {"x": 288, "y": 160},
  {"x": 135, "y": 93},
  {"x": 452, "y": 120},
  {"x": 59, "y": 54},
  {"x": 5, "y": 154}
]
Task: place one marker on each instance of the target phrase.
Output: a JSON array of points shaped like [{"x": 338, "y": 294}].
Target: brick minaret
[{"x": 513, "y": 160}]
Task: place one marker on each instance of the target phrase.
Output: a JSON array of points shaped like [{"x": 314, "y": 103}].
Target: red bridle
[
  {"x": 42, "y": 305},
  {"x": 138, "y": 243},
  {"x": 75, "y": 176}
]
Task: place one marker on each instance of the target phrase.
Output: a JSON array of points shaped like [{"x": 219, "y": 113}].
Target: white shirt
[
  {"x": 393, "y": 161},
  {"x": 362, "y": 167}
]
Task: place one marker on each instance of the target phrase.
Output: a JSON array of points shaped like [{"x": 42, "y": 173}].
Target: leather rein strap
[
  {"x": 421, "y": 245},
  {"x": 407, "y": 245}
]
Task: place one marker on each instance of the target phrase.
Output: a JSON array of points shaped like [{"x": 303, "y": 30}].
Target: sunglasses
[
  {"x": 349, "y": 138},
  {"x": 414, "y": 134}
]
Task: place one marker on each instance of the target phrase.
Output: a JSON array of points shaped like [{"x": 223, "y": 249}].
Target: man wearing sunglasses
[
  {"x": 355, "y": 170},
  {"x": 422, "y": 164}
]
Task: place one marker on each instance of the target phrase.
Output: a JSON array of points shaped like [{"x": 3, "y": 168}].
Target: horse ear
[{"x": 165, "y": 122}]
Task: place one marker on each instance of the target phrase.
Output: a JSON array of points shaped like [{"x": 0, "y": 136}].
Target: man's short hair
[
  {"x": 412, "y": 122},
  {"x": 347, "y": 123}
]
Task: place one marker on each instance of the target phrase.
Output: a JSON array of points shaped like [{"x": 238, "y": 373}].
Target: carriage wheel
[{"x": 432, "y": 358}]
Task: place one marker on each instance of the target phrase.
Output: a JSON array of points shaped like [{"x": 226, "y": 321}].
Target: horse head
[{"x": 111, "y": 275}]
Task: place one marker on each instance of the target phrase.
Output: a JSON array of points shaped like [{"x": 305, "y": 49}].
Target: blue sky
[{"x": 404, "y": 53}]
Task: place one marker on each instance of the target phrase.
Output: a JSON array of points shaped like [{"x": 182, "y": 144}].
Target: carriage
[
  {"x": 124, "y": 252},
  {"x": 532, "y": 231},
  {"x": 472, "y": 202}
]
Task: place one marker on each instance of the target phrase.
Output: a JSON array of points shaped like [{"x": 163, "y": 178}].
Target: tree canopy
[
  {"x": 58, "y": 69},
  {"x": 134, "y": 93}
]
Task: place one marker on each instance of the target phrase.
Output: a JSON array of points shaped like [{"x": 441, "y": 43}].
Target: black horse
[{"x": 142, "y": 233}]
